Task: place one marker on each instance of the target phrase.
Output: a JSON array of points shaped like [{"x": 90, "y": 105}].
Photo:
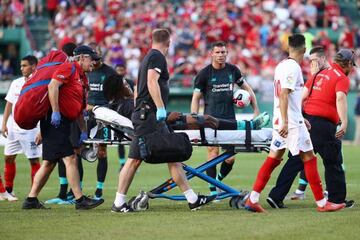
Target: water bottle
[{"x": 143, "y": 151}]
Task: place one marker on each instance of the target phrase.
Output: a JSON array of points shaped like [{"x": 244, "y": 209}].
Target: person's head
[
  {"x": 86, "y": 57},
  {"x": 345, "y": 58},
  {"x": 218, "y": 53},
  {"x": 98, "y": 51},
  {"x": 69, "y": 48},
  {"x": 28, "y": 65},
  {"x": 121, "y": 69},
  {"x": 116, "y": 88},
  {"x": 161, "y": 39},
  {"x": 318, "y": 54},
  {"x": 297, "y": 44}
]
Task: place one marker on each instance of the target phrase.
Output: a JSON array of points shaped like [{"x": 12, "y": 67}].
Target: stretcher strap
[
  {"x": 203, "y": 137},
  {"x": 248, "y": 135}
]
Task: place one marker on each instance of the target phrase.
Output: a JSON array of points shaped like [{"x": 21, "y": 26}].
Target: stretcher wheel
[
  {"x": 232, "y": 202},
  {"x": 238, "y": 202},
  {"x": 140, "y": 202}
]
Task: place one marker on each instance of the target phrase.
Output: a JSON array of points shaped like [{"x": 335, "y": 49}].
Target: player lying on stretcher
[{"x": 120, "y": 98}]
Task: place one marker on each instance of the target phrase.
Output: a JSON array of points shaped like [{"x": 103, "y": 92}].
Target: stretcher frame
[{"x": 160, "y": 191}]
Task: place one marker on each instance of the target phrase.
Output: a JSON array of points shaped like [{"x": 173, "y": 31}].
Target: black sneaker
[
  {"x": 88, "y": 203},
  {"x": 202, "y": 200},
  {"x": 349, "y": 203},
  {"x": 275, "y": 204},
  {"x": 122, "y": 209},
  {"x": 33, "y": 204}
]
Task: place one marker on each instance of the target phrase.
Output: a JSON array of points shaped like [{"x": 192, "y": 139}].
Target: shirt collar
[{"x": 337, "y": 67}]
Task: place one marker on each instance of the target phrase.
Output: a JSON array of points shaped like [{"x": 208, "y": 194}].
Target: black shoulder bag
[{"x": 165, "y": 147}]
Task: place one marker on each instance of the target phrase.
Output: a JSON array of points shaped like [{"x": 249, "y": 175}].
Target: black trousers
[{"x": 322, "y": 135}]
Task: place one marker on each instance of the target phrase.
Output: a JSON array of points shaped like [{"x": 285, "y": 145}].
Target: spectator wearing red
[{"x": 332, "y": 11}]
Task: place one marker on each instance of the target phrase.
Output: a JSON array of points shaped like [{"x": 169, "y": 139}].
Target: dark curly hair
[{"x": 116, "y": 89}]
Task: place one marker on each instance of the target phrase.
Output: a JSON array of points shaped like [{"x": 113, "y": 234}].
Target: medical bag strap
[
  {"x": 41, "y": 82},
  {"x": 248, "y": 136},
  {"x": 313, "y": 81}
]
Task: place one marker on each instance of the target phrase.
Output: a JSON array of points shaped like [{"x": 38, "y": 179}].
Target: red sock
[
  {"x": 312, "y": 175},
  {"x": 9, "y": 174},
  {"x": 2, "y": 189},
  {"x": 34, "y": 168},
  {"x": 264, "y": 173}
]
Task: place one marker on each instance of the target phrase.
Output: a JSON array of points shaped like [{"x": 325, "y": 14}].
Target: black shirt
[
  {"x": 154, "y": 59},
  {"x": 217, "y": 86},
  {"x": 96, "y": 80}
]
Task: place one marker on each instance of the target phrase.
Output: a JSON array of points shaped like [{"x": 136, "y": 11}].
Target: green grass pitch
[{"x": 172, "y": 220}]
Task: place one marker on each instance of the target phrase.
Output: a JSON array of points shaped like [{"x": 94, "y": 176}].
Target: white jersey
[
  {"x": 12, "y": 97},
  {"x": 288, "y": 75}
]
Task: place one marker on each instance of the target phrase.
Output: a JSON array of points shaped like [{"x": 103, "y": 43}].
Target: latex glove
[
  {"x": 161, "y": 114},
  {"x": 83, "y": 137},
  {"x": 55, "y": 119}
]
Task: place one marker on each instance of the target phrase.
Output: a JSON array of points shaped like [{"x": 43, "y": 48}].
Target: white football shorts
[
  {"x": 298, "y": 139},
  {"x": 23, "y": 142}
]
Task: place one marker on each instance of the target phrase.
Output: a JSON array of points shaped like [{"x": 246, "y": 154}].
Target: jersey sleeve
[
  {"x": 290, "y": 73},
  {"x": 10, "y": 96},
  {"x": 64, "y": 72},
  {"x": 200, "y": 81},
  {"x": 238, "y": 77},
  {"x": 158, "y": 63},
  {"x": 342, "y": 85}
]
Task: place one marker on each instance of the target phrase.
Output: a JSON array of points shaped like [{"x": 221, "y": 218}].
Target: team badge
[{"x": 289, "y": 79}]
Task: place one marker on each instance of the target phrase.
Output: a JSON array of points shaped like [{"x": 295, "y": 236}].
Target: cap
[
  {"x": 345, "y": 55},
  {"x": 83, "y": 49}
]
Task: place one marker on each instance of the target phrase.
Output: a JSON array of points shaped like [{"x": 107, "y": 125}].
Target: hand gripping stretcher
[{"x": 241, "y": 141}]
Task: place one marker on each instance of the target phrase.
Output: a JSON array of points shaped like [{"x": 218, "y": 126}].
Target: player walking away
[
  {"x": 215, "y": 83},
  {"x": 67, "y": 92},
  {"x": 290, "y": 130},
  {"x": 153, "y": 90},
  {"x": 320, "y": 95},
  {"x": 18, "y": 140}
]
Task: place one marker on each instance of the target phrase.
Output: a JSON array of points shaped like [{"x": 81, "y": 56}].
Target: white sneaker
[
  {"x": 8, "y": 196},
  {"x": 296, "y": 196},
  {"x": 1, "y": 196}
]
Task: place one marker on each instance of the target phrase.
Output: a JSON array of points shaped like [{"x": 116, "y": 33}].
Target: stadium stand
[{"x": 255, "y": 31}]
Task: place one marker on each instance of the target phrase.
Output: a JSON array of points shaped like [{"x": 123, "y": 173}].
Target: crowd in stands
[
  {"x": 256, "y": 31},
  {"x": 11, "y": 13}
]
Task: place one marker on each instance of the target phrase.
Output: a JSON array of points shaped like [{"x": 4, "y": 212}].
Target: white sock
[
  {"x": 190, "y": 195},
  {"x": 254, "y": 197},
  {"x": 297, "y": 191},
  {"x": 321, "y": 203},
  {"x": 120, "y": 199}
]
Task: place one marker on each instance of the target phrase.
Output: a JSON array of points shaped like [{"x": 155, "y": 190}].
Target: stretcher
[{"x": 238, "y": 140}]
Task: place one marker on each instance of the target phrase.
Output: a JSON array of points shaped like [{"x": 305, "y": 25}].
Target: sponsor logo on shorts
[
  {"x": 277, "y": 143},
  {"x": 33, "y": 145}
]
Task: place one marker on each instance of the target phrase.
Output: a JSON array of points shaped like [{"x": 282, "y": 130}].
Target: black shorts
[
  {"x": 75, "y": 134},
  {"x": 55, "y": 141},
  {"x": 142, "y": 127}
]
